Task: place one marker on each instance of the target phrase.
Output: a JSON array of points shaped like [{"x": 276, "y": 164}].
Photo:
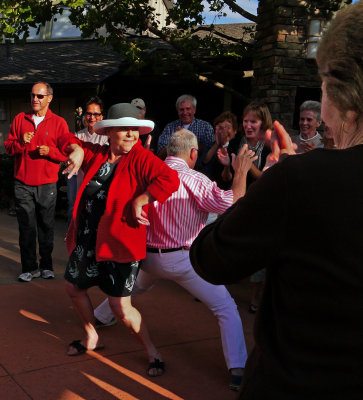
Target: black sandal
[
  {"x": 76, "y": 344},
  {"x": 158, "y": 365}
]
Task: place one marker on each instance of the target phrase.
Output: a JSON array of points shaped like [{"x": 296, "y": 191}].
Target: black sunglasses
[
  {"x": 39, "y": 96},
  {"x": 89, "y": 114}
]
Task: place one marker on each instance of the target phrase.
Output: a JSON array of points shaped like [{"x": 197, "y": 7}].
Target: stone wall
[{"x": 280, "y": 63}]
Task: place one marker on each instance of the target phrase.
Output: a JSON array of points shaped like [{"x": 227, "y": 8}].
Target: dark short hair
[{"x": 94, "y": 100}]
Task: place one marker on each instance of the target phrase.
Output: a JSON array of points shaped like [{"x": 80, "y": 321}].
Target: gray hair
[
  {"x": 181, "y": 142},
  {"x": 47, "y": 85},
  {"x": 311, "y": 105},
  {"x": 186, "y": 97}
]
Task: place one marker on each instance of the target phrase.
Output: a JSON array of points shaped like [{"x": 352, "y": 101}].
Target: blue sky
[{"x": 248, "y": 5}]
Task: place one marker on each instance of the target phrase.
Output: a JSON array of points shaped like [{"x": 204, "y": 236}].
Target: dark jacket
[{"x": 303, "y": 220}]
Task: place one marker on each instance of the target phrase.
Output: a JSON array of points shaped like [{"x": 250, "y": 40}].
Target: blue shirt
[{"x": 203, "y": 130}]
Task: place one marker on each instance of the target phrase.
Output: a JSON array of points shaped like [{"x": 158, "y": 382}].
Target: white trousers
[{"x": 176, "y": 266}]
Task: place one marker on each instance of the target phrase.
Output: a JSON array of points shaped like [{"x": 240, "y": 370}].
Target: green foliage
[
  {"x": 120, "y": 23},
  {"x": 16, "y": 17}
]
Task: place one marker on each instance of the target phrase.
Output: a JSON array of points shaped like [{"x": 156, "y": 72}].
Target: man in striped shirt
[{"x": 174, "y": 225}]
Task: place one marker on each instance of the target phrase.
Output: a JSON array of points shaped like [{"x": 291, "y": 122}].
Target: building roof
[
  {"x": 72, "y": 61},
  {"x": 78, "y": 62},
  {"x": 240, "y": 31}
]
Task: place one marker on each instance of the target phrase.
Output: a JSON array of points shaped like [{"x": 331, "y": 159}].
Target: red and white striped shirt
[{"x": 177, "y": 221}]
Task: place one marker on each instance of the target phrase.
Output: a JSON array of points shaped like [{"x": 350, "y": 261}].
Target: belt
[{"x": 155, "y": 250}]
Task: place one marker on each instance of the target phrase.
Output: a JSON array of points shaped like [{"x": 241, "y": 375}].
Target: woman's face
[
  {"x": 225, "y": 128},
  {"x": 329, "y": 113},
  {"x": 123, "y": 139},
  {"x": 251, "y": 125}
]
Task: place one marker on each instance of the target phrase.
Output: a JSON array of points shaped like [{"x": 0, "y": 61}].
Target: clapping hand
[
  {"x": 280, "y": 143},
  {"x": 223, "y": 157},
  {"x": 243, "y": 161}
]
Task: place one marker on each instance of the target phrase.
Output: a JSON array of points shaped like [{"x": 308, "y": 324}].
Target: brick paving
[{"x": 38, "y": 322}]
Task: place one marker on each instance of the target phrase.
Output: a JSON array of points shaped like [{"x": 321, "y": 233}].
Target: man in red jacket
[{"x": 39, "y": 140}]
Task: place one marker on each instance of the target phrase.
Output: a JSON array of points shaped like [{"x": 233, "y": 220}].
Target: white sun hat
[{"x": 123, "y": 114}]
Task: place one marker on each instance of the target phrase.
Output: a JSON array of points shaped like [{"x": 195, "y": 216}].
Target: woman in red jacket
[{"x": 107, "y": 235}]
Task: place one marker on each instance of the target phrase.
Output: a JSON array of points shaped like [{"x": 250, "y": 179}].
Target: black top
[
  {"x": 303, "y": 219},
  {"x": 92, "y": 206}
]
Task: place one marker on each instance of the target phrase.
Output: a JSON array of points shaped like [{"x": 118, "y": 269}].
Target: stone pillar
[{"x": 280, "y": 63}]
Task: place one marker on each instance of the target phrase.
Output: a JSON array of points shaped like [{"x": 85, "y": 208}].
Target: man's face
[
  {"x": 308, "y": 124},
  {"x": 40, "y": 104},
  {"x": 93, "y": 114},
  {"x": 186, "y": 112}
]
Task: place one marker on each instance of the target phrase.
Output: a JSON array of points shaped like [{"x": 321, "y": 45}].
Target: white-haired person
[
  {"x": 309, "y": 122},
  {"x": 173, "y": 227},
  {"x": 186, "y": 107},
  {"x": 304, "y": 223},
  {"x": 107, "y": 236}
]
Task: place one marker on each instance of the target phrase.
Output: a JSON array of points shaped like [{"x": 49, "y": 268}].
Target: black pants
[{"x": 35, "y": 209}]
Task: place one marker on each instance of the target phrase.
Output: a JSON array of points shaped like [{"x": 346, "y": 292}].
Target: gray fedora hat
[{"x": 123, "y": 114}]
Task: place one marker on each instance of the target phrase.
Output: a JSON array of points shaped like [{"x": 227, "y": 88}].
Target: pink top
[{"x": 177, "y": 221}]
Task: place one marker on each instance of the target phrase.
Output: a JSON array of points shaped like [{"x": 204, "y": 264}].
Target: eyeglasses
[
  {"x": 89, "y": 114},
  {"x": 39, "y": 96}
]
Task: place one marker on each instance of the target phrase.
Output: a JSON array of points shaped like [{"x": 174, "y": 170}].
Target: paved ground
[{"x": 38, "y": 321}]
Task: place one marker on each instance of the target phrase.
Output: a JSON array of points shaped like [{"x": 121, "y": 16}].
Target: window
[{"x": 315, "y": 32}]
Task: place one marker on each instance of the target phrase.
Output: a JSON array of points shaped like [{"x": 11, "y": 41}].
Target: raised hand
[
  {"x": 284, "y": 140},
  {"x": 223, "y": 157},
  {"x": 243, "y": 161},
  {"x": 148, "y": 142}
]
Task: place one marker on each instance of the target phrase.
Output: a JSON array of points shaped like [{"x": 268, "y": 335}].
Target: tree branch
[
  {"x": 239, "y": 10},
  {"x": 223, "y": 87}
]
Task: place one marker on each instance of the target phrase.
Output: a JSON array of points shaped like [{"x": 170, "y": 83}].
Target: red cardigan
[
  {"x": 31, "y": 168},
  {"x": 119, "y": 237}
]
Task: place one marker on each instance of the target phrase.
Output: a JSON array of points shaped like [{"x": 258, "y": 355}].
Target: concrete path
[{"x": 38, "y": 322}]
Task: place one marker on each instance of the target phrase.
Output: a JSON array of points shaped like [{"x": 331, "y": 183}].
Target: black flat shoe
[
  {"x": 158, "y": 365},
  {"x": 235, "y": 382}
]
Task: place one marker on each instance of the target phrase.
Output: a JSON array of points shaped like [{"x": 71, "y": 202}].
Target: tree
[{"x": 125, "y": 24}]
